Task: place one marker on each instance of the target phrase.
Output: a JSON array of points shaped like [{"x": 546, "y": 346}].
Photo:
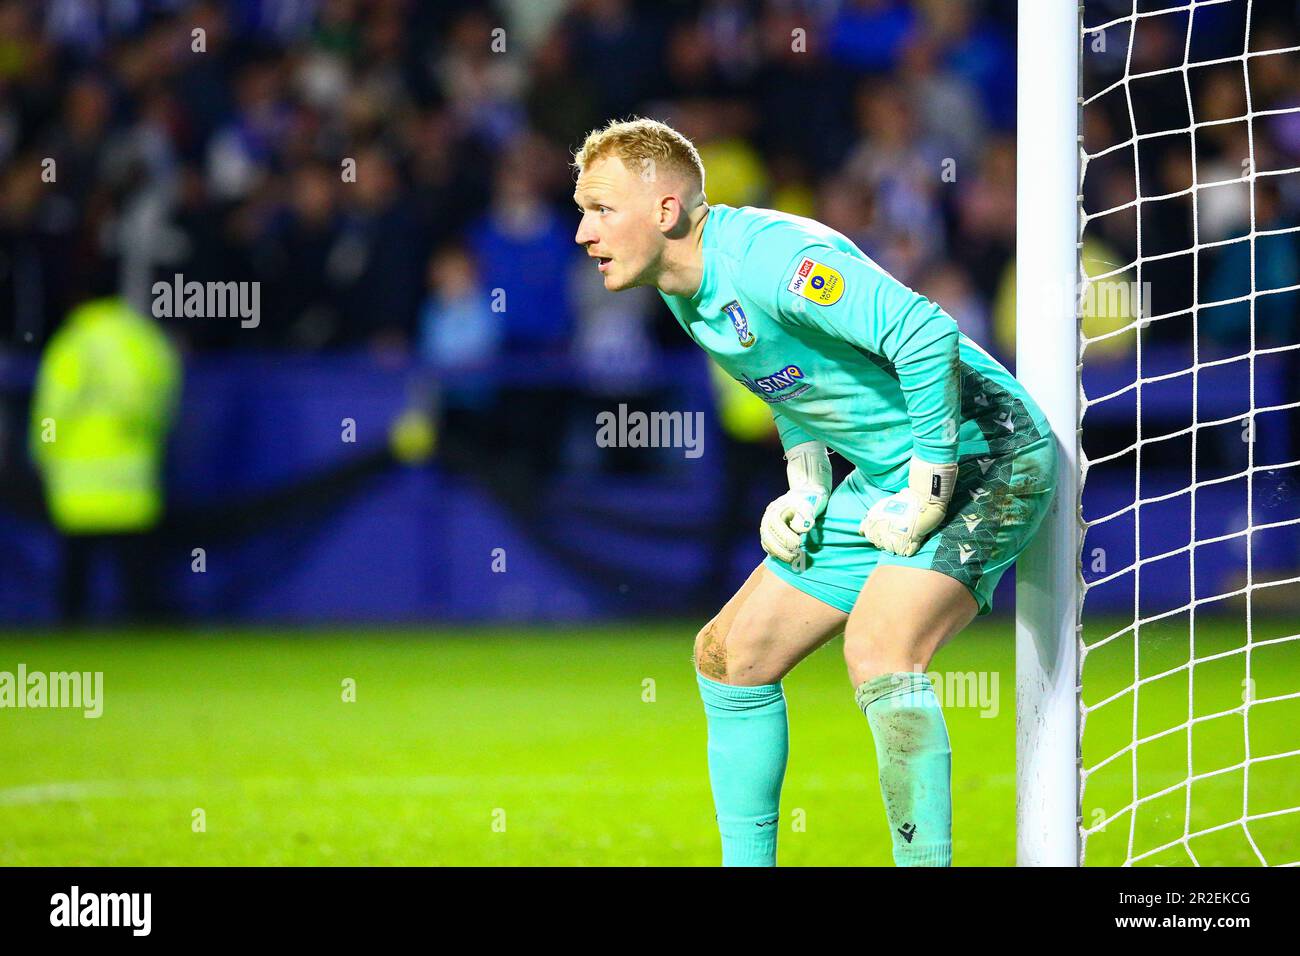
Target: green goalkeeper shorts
[{"x": 997, "y": 505}]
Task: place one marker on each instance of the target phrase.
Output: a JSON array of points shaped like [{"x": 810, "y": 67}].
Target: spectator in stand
[
  {"x": 1227, "y": 328},
  {"x": 379, "y": 260},
  {"x": 903, "y": 172},
  {"x": 460, "y": 331},
  {"x": 460, "y": 339},
  {"x": 525, "y": 246}
]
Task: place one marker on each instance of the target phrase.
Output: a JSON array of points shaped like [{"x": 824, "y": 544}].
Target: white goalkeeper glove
[
  {"x": 789, "y": 517},
  {"x": 900, "y": 523}
]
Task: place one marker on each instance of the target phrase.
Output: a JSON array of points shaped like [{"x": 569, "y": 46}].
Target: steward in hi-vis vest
[{"x": 105, "y": 398}]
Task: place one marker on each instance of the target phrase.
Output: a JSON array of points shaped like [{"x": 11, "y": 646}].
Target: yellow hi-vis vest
[
  {"x": 743, "y": 415},
  {"x": 104, "y": 401}
]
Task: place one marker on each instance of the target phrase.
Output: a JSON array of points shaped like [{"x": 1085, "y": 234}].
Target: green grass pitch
[{"x": 560, "y": 747}]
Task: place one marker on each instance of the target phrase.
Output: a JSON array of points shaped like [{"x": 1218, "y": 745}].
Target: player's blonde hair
[{"x": 643, "y": 144}]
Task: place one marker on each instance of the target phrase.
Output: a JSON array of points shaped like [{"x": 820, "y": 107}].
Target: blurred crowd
[
  {"x": 395, "y": 173},
  {"x": 1220, "y": 191}
]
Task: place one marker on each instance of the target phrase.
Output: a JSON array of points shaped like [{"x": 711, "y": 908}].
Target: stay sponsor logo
[{"x": 780, "y": 386}]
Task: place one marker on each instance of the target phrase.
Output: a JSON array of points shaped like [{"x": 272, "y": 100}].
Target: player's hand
[
  {"x": 900, "y": 523},
  {"x": 789, "y": 517},
  {"x": 785, "y": 522}
]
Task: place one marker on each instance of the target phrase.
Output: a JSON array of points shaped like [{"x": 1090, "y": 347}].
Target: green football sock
[
  {"x": 915, "y": 762},
  {"x": 748, "y": 745}
]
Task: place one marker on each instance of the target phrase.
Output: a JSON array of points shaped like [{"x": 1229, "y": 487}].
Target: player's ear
[
  {"x": 669, "y": 210},
  {"x": 673, "y": 221}
]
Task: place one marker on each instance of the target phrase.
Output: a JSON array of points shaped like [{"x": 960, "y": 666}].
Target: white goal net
[{"x": 1189, "y": 625}]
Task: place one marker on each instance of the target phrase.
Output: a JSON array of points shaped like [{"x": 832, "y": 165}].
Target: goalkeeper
[{"x": 955, "y": 468}]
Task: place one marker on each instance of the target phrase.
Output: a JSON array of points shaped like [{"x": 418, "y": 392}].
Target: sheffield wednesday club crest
[{"x": 739, "y": 323}]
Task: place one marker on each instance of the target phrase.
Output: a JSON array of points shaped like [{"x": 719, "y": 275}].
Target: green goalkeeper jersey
[{"x": 844, "y": 353}]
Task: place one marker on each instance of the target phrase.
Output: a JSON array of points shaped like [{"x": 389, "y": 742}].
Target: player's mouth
[{"x": 602, "y": 262}]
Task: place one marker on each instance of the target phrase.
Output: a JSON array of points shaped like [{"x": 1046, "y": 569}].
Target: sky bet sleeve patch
[{"x": 817, "y": 282}]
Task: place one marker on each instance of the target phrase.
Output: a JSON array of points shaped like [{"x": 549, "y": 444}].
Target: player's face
[{"x": 619, "y": 228}]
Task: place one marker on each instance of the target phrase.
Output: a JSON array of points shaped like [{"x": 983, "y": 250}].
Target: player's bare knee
[
  {"x": 869, "y": 655},
  {"x": 743, "y": 655},
  {"x": 711, "y": 651},
  {"x": 753, "y": 655}
]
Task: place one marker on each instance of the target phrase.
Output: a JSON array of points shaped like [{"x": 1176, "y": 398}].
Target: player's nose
[{"x": 583, "y": 236}]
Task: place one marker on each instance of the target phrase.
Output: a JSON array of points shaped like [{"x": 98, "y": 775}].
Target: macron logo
[{"x": 102, "y": 909}]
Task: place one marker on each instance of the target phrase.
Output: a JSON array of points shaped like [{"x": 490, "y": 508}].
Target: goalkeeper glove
[
  {"x": 900, "y": 523},
  {"x": 786, "y": 519}
]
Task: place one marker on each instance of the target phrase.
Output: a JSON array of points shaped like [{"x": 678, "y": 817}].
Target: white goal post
[
  {"x": 1158, "y": 153},
  {"x": 1047, "y": 357}
]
